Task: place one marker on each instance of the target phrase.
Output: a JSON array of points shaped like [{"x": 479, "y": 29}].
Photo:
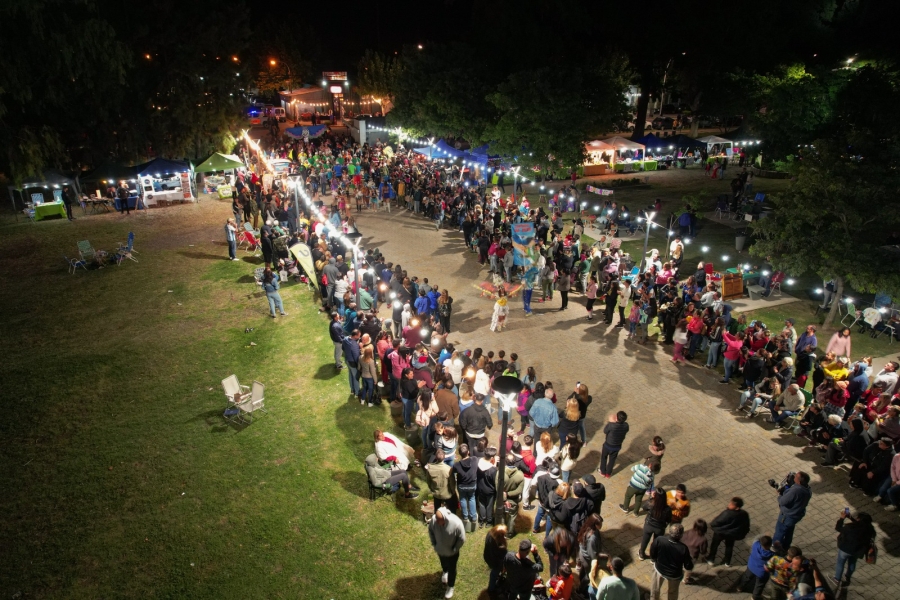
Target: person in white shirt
[
  {"x": 887, "y": 377},
  {"x": 455, "y": 366}
]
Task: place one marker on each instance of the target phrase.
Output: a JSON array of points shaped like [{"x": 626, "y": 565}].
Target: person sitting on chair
[
  {"x": 389, "y": 479},
  {"x": 389, "y": 449}
]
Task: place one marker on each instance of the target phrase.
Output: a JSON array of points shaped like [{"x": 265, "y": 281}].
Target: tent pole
[{"x": 12, "y": 197}]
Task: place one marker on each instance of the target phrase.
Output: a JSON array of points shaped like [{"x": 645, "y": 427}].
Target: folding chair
[
  {"x": 29, "y": 212},
  {"x": 232, "y": 387},
  {"x": 74, "y": 263},
  {"x": 760, "y": 197},
  {"x": 722, "y": 208},
  {"x": 125, "y": 251},
  {"x": 86, "y": 251},
  {"x": 256, "y": 402},
  {"x": 711, "y": 275},
  {"x": 852, "y": 313},
  {"x": 630, "y": 277},
  {"x": 808, "y": 398},
  {"x": 252, "y": 243},
  {"x": 249, "y": 228},
  {"x": 775, "y": 283}
]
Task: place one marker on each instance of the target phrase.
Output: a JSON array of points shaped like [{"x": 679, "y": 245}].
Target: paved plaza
[{"x": 715, "y": 452}]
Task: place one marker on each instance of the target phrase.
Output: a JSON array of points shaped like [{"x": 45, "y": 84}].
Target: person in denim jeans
[
  {"x": 733, "y": 344},
  {"x": 409, "y": 392},
  {"x": 715, "y": 342},
  {"x": 852, "y": 543},
  {"x": 466, "y": 473}
]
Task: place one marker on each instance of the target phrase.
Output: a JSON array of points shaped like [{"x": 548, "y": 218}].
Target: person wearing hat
[{"x": 875, "y": 467}]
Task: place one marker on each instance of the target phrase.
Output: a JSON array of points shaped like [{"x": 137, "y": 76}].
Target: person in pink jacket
[
  {"x": 840, "y": 343},
  {"x": 889, "y": 493},
  {"x": 733, "y": 344}
]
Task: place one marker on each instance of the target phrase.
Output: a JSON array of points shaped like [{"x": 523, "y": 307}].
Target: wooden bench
[{"x": 755, "y": 289}]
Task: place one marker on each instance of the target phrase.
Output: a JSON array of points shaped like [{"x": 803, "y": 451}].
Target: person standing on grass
[
  {"x": 336, "y": 332},
  {"x": 231, "y": 238},
  {"x": 270, "y": 285},
  {"x": 494, "y": 553},
  {"x": 615, "y": 430},
  {"x": 447, "y": 538},
  {"x": 521, "y": 570},
  {"x": 350, "y": 345}
]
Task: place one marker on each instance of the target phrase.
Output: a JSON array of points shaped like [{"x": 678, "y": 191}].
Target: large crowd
[{"x": 443, "y": 394}]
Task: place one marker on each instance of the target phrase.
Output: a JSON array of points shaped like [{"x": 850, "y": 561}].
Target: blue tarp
[
  {"x": 445, "y": 150},
  {"x": 683, "y": 141},
  {"x": 652, "y": 142},
  {"x": 161, "y": 166},
  {"x": 311, "y": 131}
]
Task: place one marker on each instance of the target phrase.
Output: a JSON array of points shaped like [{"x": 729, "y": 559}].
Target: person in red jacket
[{"x": 733, "y": 344}]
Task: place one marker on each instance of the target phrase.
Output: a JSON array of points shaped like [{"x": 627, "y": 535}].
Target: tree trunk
[
  {"x": 641, "y": 118},
  {"x": 695, "y": 127},
  {"x": 833, "y": 313}
]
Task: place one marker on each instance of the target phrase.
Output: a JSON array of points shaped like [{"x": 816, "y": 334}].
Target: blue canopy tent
[
  {"x": 444, "y": 150},
  {"x": 652, "y": 142},
  {"x": 309, "y": 131},
  {"x": 424, "y": 151}
]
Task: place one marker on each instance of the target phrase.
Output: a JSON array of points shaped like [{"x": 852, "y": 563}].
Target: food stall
[
  {"x": 717, "y": 146},
  {"x": 215, "y": 183},
  {"x": 43, "y": 195},
  {"x": 599, "y": 158},
  {"x": 628, "y": 156},
  {"x": 165, "y": 182}
]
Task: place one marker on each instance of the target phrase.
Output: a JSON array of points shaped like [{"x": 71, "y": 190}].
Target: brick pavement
[{"x": 711, "y": 450}]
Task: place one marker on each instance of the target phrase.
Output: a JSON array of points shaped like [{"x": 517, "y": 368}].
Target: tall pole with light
[
  {"x": 506, "y": 389},
  {"x": 650, "y": 223},
  {"x": 274, "y": 62}
]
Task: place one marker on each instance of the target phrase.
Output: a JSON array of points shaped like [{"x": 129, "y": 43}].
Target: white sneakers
[
  {"x": 448, "y": 593},
  {"x": 444, "y": 579}
]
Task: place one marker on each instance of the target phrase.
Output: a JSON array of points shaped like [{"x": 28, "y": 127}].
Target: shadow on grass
[
  {"x": 327, "y": 371},
  {"x": 353, "y": 481},
  {"x": 202, "y": 255},
  {"x": 217, "y": 422},
  {"x": 419, "y": 586}
]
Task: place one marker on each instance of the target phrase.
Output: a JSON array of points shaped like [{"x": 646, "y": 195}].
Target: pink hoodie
[{"x": 732, "y": 346}]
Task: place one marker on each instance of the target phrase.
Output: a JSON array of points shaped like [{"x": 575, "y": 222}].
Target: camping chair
[
  {"x": 256, "y": 402},
  {"x": 74, "y": 263},
  {"x": 853, "y": 314},
  {"x": 29, "y": 212},
  {"x": 232, "y": 387},
  {"x": 249, "y": 228},
  {"x": 630, "y": 277},
  {"x": 789, "y": 422},
  {"x": 722, "y": 208},
  {"x": 760, "y": 197},
  {"x": 86, "y": 251},
  {"x": 252, "y": 242},
  {"x": 125, "y": 251},
  {"x": 711, "y": 275},
  {"x": 775, "y": 283}
]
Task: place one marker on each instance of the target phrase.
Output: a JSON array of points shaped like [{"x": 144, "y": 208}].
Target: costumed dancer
[{"x": 501, "y": 310}]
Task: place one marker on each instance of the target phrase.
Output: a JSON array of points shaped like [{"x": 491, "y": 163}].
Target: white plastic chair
[{"x": 233, "y": 387}]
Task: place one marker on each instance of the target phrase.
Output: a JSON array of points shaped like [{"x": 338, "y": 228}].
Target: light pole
[
  {"x": 650, "y": 224},
  {"x": 354, "y": 238},
  {"x": 506, "y": 389}
]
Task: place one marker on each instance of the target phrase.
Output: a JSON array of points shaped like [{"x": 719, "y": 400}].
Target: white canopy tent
[
  {"x": 625, "y": 145},
  {"x": 714, "y": 140},
  {"x": 600, "y": 157}
]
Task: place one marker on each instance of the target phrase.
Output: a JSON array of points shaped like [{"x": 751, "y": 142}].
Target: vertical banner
[
  {"x": 303, "y": 256},
  {"x": 523, "y": 245}
]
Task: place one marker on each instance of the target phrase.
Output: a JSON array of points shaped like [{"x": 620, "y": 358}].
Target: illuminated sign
[
  {"x": 334, "y": 75},
  {"x": 335, "y": 89}
]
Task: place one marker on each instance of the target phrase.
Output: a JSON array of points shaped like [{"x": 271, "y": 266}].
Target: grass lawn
[{"x": 121, "y": 478}]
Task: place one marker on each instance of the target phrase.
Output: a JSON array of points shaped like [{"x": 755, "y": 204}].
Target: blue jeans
[
  {"x": 467, "y": 503},
  {"x": 368, "y": 389},
  {"x": 353, "y": 374},
  {"x": 784, "y": 531},
  {"x": 275, "y": 302},
  {"x": 749, "y": 396},
  {"x": 541, "y": 513},
  {"x": 890, "y": 492},
  {"x": 408, "y": 405},
  {"x": 713, "y": 358},
  {"x": 232, "y": 249},
  {"x": 784, "y": 415},
  {"x": 695, "y": 343},
  {"x": 566, "y": 475},
  {"x": 730, "y": 367},
  {"x": 842, "y": 559},
  {"x": 395, "y": 385},
  {"x": 526, "y": 299},
  {"x": 582, "y": 431}
]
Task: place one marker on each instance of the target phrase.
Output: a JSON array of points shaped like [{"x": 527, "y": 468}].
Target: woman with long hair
[
  {"x": 369, "y": 372},
  {"x": 409, "y": 392},
  {"x": 494, "y": 553},
  {"x": 545, "y": 448},
  {"x": 501, "y": 311},
  {"x": 445, "y": 309},
  {"x": 447, "y": 442},
  {"x": 658, "y": 518},
  {"x": 529, "y": 379},
  {"x": 560, "y": 543},
  {"x": 715, "y": 335},
  {"x": 270, "y": 286},
  {"x": 589, "y": 542},
  {"x": 584, "y": 400},
  {"x": 426, "y": 408},
  {"x": 568, "y": 456},
  {"x": 568, "y": 421}
]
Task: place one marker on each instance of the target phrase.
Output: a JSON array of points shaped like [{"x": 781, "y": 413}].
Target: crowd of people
[{"x": 444, "y": 393}]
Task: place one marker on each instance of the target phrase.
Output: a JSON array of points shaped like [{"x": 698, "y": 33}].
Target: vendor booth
[
  {"x": 219, "y": 173},
  {"x": 717, "y": 146},
  {"x": 99, "y": 185},
  {"x": 677, "y": 150},
  {"x": 165, "y": 182},
  {"x": 629, "y": 156},
  {"x": 43, "y": 195},
  {"x": 599, "y": 158}
]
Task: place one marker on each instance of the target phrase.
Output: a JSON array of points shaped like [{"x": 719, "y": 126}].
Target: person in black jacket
[
  {"x": 850, "y": 447},
  {"x": 521, "y": 570},
  {"x": 494, "y": 555},
  {"x": 336, "y": 332},
  {"x": 475, "y": 420},
  {"x": 596, "y": 491},
  {"x": 486, "y": 487},
  {"x": 671, "y": 558},
  {"x": 731, "y": 525},
  {"x": 852, "y": 543},
  {"x": 659, "y": 516},
  {"x": 466, "y": 472},
  {"x": 615, "y": 429},
  {"x": 753, "y": 371},
  {"x": 869, "y": 474}
]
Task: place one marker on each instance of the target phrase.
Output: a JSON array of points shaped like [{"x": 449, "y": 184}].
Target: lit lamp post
[
  {"x": 650, "y": 224},
  {"x": 506, "y": 389},
  {"x": 354, "y": 238},
  {"x": 274, "y": 62}
]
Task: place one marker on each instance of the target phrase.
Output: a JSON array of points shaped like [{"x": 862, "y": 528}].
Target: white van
[{"x": 278, "y": 113}]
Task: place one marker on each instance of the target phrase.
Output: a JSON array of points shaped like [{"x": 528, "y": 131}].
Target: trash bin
[{"x": 739, "y": 240}]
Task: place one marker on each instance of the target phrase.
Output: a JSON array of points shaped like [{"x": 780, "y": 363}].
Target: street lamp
[
  {"x": 274, "y": 62},
  {"x": 354, "y": 239},
  {"x": 506, "y": 389},
  {"x": 649, "y": 220}
]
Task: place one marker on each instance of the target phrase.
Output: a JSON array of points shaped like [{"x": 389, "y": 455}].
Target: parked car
[
  {"x": 663, "y": 123},
  {"x": 648, "y": 125}
]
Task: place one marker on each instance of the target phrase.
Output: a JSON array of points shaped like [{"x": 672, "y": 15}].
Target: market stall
[
  {"x": 628, "y": 156},
  {"x": 599, "y": 158},
  {"x": 165, "y": 182},
  {"x": 43, "y": 194},
  {"x": 717, "y": 146},
  {"x": 221, "y": 169}
]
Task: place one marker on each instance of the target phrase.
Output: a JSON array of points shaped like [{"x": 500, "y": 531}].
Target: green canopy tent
[{"x": 219, "y": 162}]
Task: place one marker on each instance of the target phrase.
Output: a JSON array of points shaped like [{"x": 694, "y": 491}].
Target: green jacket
[
  {"x": 439, "y": 480},
  {"x": 513, "y": 484}
]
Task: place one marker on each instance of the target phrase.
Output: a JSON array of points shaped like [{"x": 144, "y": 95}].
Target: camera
[{"x": 785, "y": 484}]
